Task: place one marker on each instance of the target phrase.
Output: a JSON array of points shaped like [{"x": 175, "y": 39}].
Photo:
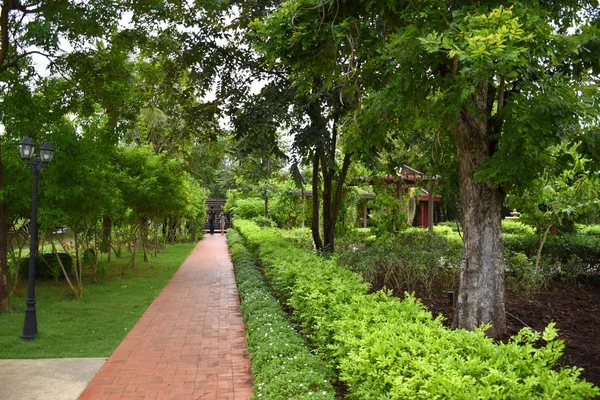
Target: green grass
[{"x": 94, "y": 325}]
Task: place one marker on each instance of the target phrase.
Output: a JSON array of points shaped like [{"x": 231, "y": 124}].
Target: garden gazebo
[{"x": 407, "y": 178}]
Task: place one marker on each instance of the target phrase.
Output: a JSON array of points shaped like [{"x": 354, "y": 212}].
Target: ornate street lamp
[{"x": 27, "y": 150}]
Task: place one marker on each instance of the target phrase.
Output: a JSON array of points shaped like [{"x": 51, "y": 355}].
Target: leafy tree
[
  {"x": 32, "y": 27},
  {"x": 317, "y": 122},
  {"x": 505, "y": 80},
  {"x": 78, "y": 190},
  {"x": 257, "y": 145},
  {"x": 558, "y": 197}
]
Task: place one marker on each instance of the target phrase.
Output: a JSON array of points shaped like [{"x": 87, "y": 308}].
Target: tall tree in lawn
[
  {"x": 499, "y": 77},
  {"x": 567, "y": 189},
  {"x": 30, "y": 28},
  {"x": 256, "y": 143},
  {"x": 321, "y": 106},
  {"x": 152, "y": 188},
  {"x": 78, "y": 191}
]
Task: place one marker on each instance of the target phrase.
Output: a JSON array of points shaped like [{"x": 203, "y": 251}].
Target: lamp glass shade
[
  {"x": 46, "y": 152},
  {"x": 26, "y": 148}
]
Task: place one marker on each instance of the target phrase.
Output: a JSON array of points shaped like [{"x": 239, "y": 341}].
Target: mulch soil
[{"x": 574, "y": 308}]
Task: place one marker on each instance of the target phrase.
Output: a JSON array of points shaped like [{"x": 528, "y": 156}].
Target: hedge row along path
[{"x": 189, "y": 344}]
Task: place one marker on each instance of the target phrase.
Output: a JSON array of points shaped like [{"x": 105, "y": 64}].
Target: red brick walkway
[{"x": 189, "y": 344}]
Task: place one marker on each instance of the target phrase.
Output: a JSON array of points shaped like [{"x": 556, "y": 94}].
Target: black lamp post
[{"x": 27, "y": 149}]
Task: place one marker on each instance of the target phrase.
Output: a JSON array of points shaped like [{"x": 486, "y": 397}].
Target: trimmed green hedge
[
  {"x": 560, "y": 249},
  {"x": 387, "y": 349},
  {"x": 283, "y": 368},
  {"x": 589, "y": 230},
  {"x": 404, "y": 261},
  {"x": 47, "y": 266}
]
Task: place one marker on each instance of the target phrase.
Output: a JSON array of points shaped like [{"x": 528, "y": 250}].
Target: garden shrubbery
[
  {"x": 567, "y": 256},
  {"x": 283, "y": 368},
  {"x": 264, "y": 222},
  {"x": 589, "y": 230},
  {"x": 516, "y": 228},
  {"x": 47, "y": 266},
  {"x": 401, "y": 262},
  {"x": 245, "y": 208},
  {"x": 416, "y": 256},
  {"x": 386, "y": 348},
  {"x": 299, "y": 237}
]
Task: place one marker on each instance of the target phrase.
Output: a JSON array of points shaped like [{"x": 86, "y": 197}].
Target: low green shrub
[
  {"x": 559, "y": 253},
  {"x": 516, "y": 227},
  {"x": 282, "y": 366},
  {"x": 264, "y": 222},
  {"x": 443, "y": 230},
  {"x": 401, "y": 262},
  {"x": 299, "y": 237},
  {"x": 246, "y": 208},
  {"x": 454, "y": 225},
  {"x": 588, "y": 230},
  {"x": 384, "y": 348},
  {"x": 354, "y": 240},
  {"x": 89, "y": 257},
  {"x": 47, "y": 266},
  {"x": 520, "y": 274}
]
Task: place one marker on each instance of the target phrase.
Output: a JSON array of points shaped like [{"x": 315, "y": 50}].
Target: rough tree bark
[
  {"x": 481, "y": 291},
  {"x": 315, "y": 225},
  {"x": 106, "y": 235},
  {"x": 332, "y": 204}
]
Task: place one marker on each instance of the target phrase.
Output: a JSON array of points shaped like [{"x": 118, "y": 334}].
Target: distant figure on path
[
  {"x": 222, "y": 222},
  {"x": 211, "y": 219}
]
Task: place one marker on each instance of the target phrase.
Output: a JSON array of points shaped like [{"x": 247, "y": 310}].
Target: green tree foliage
[
  {"x": 558, "y": 196},
  {"x": 29, "y": 28},
  {"x": 98, "y": 93},
  {"x": 506, "y": 81}
]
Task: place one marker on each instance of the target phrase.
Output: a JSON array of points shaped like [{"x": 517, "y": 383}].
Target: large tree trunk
[
  {"x": 106, "y": 235},
  {"x": 481, "y": 291},
  {"x": 315, "y": 226},
  {"x": 327, "y": 173},
  {"x": 4, "y": 296},
  {"x": 331, "y": 207}
]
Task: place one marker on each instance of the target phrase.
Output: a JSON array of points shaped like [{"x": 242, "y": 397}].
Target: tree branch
[
  {"x": 7, "y": 7},
  {"x": 4, "y": 30},
  {"x": 5, "y": 66}
]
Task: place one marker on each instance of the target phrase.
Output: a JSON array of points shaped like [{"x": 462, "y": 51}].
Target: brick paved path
[{"x": 189, "y": 344}]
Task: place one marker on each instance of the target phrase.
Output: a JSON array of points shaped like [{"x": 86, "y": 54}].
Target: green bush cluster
[
  {"x": 385, "y": 348},
  {"x": 508, "y": 226},
  {"x": 299, "y": 237},
  {"x": 565, "y": 256},
  {"x": 264, "y": 222},
  {"x": 516, "y": 228},
  {"x": 413, "y": 257},
  {"x": 588, "y": 230},
  {"x": 246, "y": 208},
  {"x": 282, "y": 366},
  {"x": 454, "y": 225},
  {"x": 46, "y": 266}
]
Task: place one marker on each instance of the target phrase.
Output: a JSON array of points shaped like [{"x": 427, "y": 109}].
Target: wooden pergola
[{"x": 407, "y": 178}]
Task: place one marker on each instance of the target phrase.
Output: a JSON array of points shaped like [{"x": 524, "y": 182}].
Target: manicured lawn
[{"x": 94, "y": 325}]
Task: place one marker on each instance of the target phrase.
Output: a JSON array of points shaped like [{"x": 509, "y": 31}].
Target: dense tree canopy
[
  {"x": 506, "y": 80},
  {"x": 482, "y": 92}
]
